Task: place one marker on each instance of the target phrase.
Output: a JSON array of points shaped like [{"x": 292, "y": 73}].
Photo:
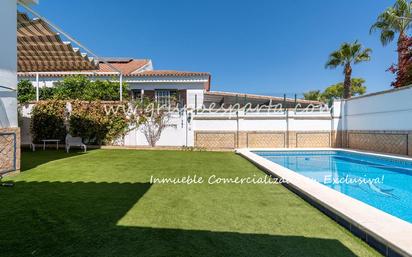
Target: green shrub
[
  {"x": 26, "y": 92},
  {"x": 81, "y": 88},
  {"x": 90, "y": 121},
  {"x": 103, "y": 90},
  {"x": 76, "y": 87},
  {"x": 71, "y": 87},
  {"x": 48, "y": 121},
  {"x": 46, "y": 93}
]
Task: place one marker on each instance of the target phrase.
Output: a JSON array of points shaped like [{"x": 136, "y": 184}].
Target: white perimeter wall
[
  {"x": 264, "y": 122},
  {"x": 183, "y": 125},
  {"x": 175, "y": 135},
  {"x": 8, "y": 63},
  {"x": 390, "y": 110}
]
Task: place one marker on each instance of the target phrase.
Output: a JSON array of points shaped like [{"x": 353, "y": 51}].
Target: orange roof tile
[
  {"x": 166, "y": 73},
  {"x": 126, "y": 67}
]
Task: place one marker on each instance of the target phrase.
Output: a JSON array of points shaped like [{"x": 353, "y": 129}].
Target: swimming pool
[{"x": 382, "y": 182}]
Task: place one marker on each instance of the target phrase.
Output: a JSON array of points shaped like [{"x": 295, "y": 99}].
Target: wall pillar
[
  {"x": 8, "y": 64},
  {"x": 9, "y": 131}
]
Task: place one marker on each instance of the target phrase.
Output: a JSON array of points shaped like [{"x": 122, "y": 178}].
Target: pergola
[{"x": 40, "y": 48}]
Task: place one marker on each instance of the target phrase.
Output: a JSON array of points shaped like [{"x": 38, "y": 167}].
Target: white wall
[
  {"x": 181, "y": 129},
  {"x": 175, "y": 135},
  {"x": 264, "y": 122},
  {"x": 391, "y": 110},
  {"x": 8, "y": 63}
]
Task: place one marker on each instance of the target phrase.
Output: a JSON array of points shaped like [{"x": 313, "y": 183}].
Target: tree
[
  {"x": 397, "y": 20},
  {"x": 336, "y": 91},
  {"x": 346, "y": 55},
  {"x": 314, "y": 95},
  {"x": 151, "y": 118}
]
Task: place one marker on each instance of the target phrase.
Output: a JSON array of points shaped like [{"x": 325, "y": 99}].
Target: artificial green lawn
[{"x": 102, "y": 204}]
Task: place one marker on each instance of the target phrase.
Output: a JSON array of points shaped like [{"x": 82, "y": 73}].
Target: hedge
[
  {"x": 48, "y": 121},
  {"x": 51, "y": 120},
  {"x": 90, "y": 121}
]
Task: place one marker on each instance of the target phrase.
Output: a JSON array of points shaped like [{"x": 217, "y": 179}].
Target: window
[
  {"x": 166, "y": 97},
  {"x": 163, "y": 97}
]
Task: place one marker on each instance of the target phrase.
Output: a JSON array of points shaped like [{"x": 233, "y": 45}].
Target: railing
[
  {"x": 8, "y": 154},
  {"x": 264, "y": 111}
]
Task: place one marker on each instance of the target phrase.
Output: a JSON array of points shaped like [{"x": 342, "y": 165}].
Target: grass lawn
[{"x": 102, "y": 204}]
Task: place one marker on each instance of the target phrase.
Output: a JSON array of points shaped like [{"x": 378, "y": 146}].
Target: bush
[
  {"x": 81, "y": 88},
  {"x": 90, "y": 121},
  {"x": 71, "y": 87},
  {"x": 26, "y": 92},
  {"x": 48, "y": 121},
  {"x": 76, "y": 87},
  {"x": 46, "y": 93},
  {"x": 103, "y": 90}
]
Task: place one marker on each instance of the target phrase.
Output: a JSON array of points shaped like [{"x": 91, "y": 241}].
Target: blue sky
[{"x": 262, "y": 46}]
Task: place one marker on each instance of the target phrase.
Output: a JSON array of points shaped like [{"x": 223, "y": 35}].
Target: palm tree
[
  {"x": 347, "y": 54},
  {"x": 395, "y": 20}
]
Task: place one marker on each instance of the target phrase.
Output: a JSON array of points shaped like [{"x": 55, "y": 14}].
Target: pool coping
[{"x": 392, "y": 232}]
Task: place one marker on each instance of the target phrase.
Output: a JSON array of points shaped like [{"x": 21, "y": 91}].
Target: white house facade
[{"x": 142, "y": 80}]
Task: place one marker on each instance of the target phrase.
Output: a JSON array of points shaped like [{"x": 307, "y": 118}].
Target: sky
[{"x": 263, "y": 46}]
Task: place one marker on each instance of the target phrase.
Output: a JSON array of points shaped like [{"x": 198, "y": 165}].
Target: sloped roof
[
  {"x": 40, "y": 49},
  {"x": 167, "y": 73},
  {"x": 126, "y": 66}
]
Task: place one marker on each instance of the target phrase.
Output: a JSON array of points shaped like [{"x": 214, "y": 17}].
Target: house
[
  {"x": 190, "y": 89},
  {"x": 142, "y": 80}
]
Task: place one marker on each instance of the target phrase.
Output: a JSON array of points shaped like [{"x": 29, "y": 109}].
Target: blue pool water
[{"x": 382, "y": 182}]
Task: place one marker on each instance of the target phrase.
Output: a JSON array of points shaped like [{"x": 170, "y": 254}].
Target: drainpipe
[
  {"x": 287, "y": 121},
  {"x": 187, "y": 131},
  {"x": 37, "y": 87},
  {"x": 287, "y": 129},
  {"x": 195, "y": 103},
  {"x": 121, "y": 86},
  {"x": 237, "y": 129}
]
